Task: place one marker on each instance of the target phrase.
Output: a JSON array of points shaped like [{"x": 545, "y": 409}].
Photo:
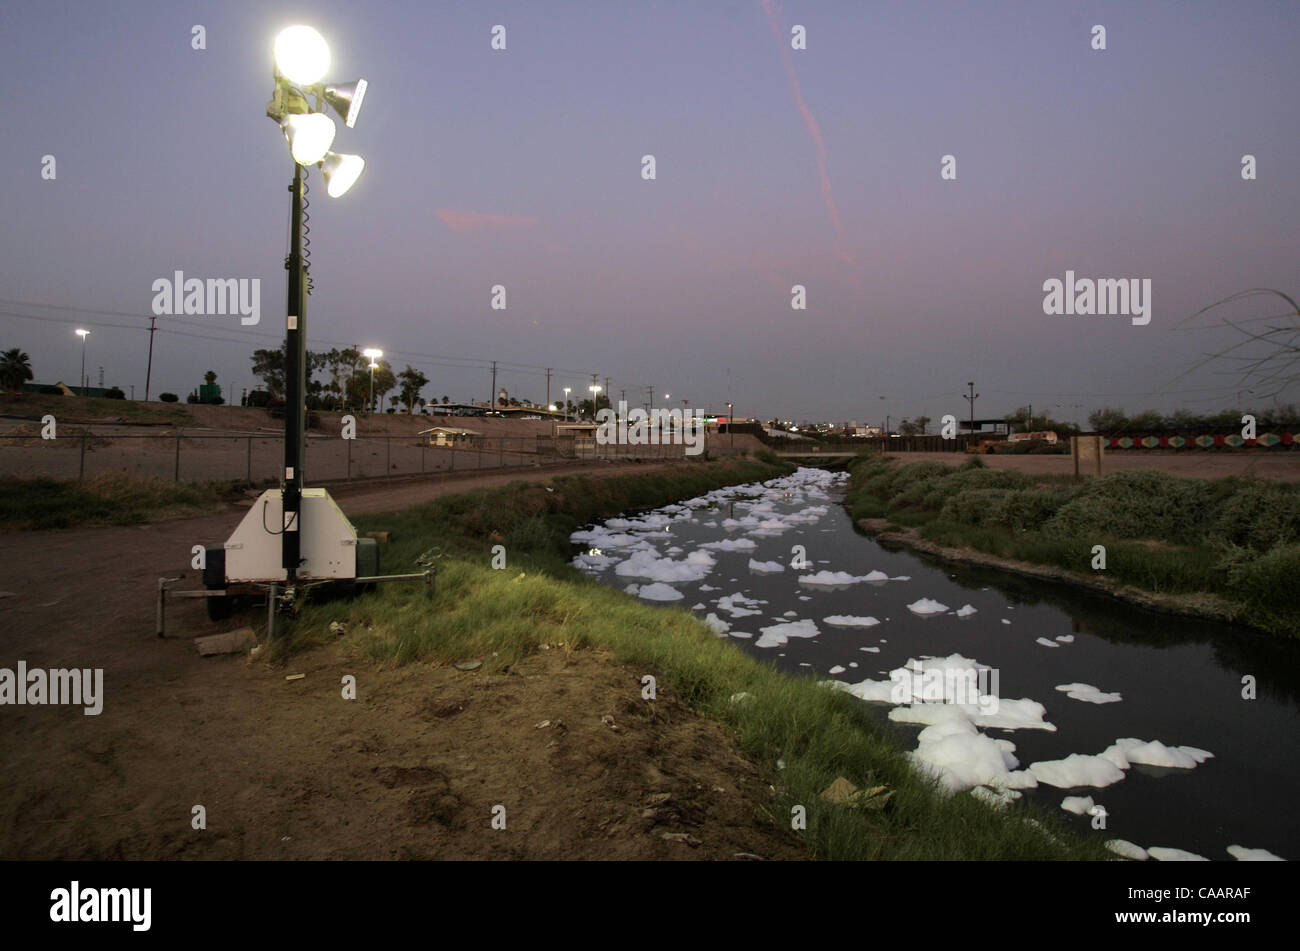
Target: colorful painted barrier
[{"x": 1219, "y": 441}]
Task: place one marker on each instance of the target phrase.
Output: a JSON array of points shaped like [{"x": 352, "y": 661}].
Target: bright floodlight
[
  {"x": 341, "y": 172},
  {"x": 345, "y": 99},
  {"x": 301, "y": 55},
  {"x": 310, "y": 136},
  {"x": 372, "y": 353},
  {"x": 82, "y": 333}
]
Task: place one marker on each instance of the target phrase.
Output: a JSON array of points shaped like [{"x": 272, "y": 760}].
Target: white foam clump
[
  {"x": 927, "y": 606},
  {"x": 1088, "y": 693},
  {"x": 1079, "y": 805},
  {"x": 998, "y": 798},
  {"x": 765, "y": 567},
  {"x": 1080, "y": 769},
  {"x": 875, "y": 576},
  {"x": 1065, "y": 638},
  {"x": 849, "y": 620},
  {"x": 737, "y": 605},
  {"x": 1126, "y": 849},
  {"x": 965, "y": 611},
  {"x": 732, "y": 544},
  {"x": 837, "y": 669},
  {"x": 1125, "y": 752},
  {"x": 717, "y": 625},
  {"x": 830, "y": 578},
  {"x": 1077, "y": 769},
  {"x": 1243, "y": 854},
  {"x": 1046, "y": 643},
  {"x": 960, "y": 757},
  {"x": 646, "y": 564},
  {"x": 658, "y": 591},
  {"x": 779, "y": 634},
  {"x": 1162, "y": 854},
  {"x": 870, "y": 650}
]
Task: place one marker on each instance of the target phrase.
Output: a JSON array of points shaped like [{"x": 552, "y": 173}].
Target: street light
[
  {"x": 566, "y": 403},
  {"x": 298, "y": 106},
  {"x": 374, "y": 355},
  {"x": 595, "y": 388},
  {"x": 731, "y": 426},
  {"x": 83, "y": 334}
]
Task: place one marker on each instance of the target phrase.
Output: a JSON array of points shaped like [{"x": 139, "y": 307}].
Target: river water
[{"x": 1172, "y": 680}]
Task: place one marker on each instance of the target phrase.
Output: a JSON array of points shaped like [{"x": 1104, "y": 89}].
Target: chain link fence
[{"x": 258, "y": 458}]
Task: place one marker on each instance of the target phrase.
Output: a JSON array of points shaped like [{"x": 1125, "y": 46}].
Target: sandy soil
[
  {"x": 1280, "y": 466},
  {"x": 288, "y": 769}
]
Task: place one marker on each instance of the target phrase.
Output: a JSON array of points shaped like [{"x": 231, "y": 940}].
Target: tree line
[{"x": 341, "y": 379}]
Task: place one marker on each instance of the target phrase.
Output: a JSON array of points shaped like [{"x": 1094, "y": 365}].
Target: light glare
[{"x": 301, "y": 55}]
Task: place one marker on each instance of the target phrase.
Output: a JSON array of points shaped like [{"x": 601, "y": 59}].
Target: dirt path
[{"x": 412, "y": 768}]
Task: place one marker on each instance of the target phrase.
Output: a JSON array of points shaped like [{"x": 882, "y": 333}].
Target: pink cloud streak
[
  {"x": 782, "y": 41},
  {"x": 458, "y": 220}
]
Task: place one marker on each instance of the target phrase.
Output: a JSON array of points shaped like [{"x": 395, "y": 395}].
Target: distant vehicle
[
  {"x": 530, "y": 417},
  {"x": 493, "y": 412},
  {"x": 1048, "y": 437},
  {"x": 470, "y": 411}
]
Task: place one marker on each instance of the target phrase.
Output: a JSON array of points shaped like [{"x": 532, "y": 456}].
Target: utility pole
[
  {"x": 606, "y": 389},
  {"x": 548, "y": 387},
  {"x": 148, "y": 373},
  {"x": 493, "y": 401},
  {"x": 650, "y": 397},
  {"x": 971, "y": 399},
  {"x": 1029, "y": 424}
]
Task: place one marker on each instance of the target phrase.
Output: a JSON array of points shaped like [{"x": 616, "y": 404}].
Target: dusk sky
[{"x": 774, "y": 167}]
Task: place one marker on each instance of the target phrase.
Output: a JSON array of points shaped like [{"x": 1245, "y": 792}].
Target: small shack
[{"x": 451, "y": 436}]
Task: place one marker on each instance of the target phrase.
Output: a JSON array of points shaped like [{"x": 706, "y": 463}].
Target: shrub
[
  {"x": 168, "y": 397},
  {"x": 114, "y": 393}
]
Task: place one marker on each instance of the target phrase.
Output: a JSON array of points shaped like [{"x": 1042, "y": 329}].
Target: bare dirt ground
[
  {"x": 1279, "y": 466},
  {"x": 288, "y": 769}
]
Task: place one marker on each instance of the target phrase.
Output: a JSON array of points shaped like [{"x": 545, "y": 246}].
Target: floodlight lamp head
[
  {"x": 310, "y": 136},
  {"x": 341, "y": 172},
  {"x": 301, "y": 55},
  {"x": 83, "y": 334},
  {"x": 345, "y": 99}
]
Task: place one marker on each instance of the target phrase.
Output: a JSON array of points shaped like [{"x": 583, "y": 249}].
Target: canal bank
[
  {"x": 799, "y": 736},
  {"x": 1170, "y": 725},
  {"x": 1226, "y": 549}
]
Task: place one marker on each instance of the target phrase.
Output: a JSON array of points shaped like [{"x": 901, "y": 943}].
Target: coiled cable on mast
[{"x": 306, "y": 234}]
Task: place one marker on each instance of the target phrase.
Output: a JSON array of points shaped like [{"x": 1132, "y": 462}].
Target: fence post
[
  {"x": 82, "y": 473},
  {"x": 176, "y": 477}
]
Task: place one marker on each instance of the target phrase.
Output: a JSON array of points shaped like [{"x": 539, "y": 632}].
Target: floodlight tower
[{"x": 302, "y": 58}]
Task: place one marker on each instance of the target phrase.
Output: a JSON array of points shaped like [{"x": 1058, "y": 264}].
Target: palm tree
[{"x": 15, "y": 369}]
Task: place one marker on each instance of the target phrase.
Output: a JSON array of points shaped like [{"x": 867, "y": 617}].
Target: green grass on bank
[
  {"x": 500, "y": 616},
  {"x": 106, "y": 499},
  {"x": 1236, "y": 538}
]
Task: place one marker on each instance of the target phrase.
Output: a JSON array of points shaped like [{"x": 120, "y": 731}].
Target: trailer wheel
[
  {"x": 220, "y": 609},
  {"x": 214, "y": 579}
]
